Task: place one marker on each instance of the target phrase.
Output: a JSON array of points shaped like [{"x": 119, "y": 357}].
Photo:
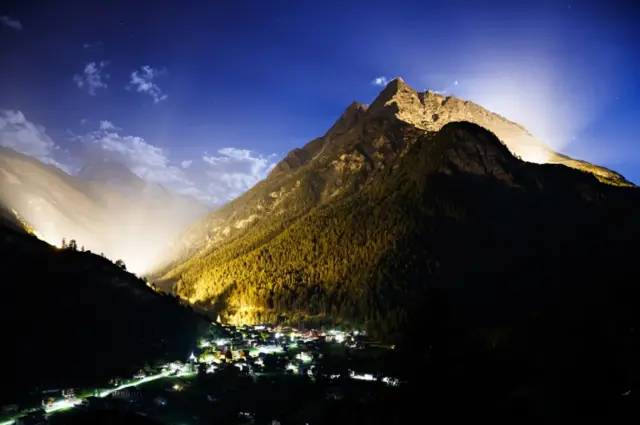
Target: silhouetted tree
[
  {"x": 64, "y": 243},
  {"x": 73, "y": 245},
  {"x": 121, "y": 264}
]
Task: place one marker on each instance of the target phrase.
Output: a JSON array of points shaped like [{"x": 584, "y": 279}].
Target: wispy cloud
[
  {"x": 148, "y": 161},
  {"x": 447, "y": 89},
  {"x": 10, "y": 22},
  {"x": 143, "y": 81},
  {"x": 213, "y": 179},
  {"x": 233, "y": 171},
  {"x": 21, "y": 135},
  {"x": 380, "y": 81},
  {"x": 107, "y": 125},
  {"x": 92, "y": 77}
]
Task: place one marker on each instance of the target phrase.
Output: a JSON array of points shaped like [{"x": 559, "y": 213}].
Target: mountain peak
[
  {"x": 107, "y": 170},
  {"x": 395, "y": 91}
]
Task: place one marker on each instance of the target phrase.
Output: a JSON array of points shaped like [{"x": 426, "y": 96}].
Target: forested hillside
[{"x": 457, "y": 215}]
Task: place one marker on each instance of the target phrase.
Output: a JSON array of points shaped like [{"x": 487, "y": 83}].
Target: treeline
[{"x": 72, "y": 245}]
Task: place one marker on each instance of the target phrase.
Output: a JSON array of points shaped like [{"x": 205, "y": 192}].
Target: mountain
[
  {"x": 509, "y": 288},
  {"x": 357, "y": 223},
  {"x": 74, "y": 319},
  {"x": 106, "y": 207},
  {"x": 358, "y": 136}
]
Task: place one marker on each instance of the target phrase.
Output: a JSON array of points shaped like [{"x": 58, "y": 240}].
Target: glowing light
[
  {"x": 535, "y": 154},
  {"x": 365, "y": 377},
  {"x": 51, "y": 241},
  {"x": 222, "y": 341},
  {"x": 304, "y": 357},
  {"x": 59, "y": 405},
  {"x": 134, "y": 383},
  {"x": 291, "y": 366}
]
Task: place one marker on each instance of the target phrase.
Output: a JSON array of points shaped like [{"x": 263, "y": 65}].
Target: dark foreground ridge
[{"x": 74, "y": 319}]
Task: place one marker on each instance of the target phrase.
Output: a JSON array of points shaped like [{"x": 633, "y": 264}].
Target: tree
[
  {"x": 73, "y": 245},
  {"x": 121, "y": 264},
  {"x": 64, "y": 243}
]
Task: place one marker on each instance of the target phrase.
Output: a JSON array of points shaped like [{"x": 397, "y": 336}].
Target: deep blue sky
[{"x": 262, "y": 77}]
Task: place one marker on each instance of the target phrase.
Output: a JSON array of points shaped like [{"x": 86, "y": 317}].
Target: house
[{"x": 128, "y": 394}]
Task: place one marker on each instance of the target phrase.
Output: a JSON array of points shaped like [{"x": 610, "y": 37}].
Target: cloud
[
  {"x": 233, "y": 171},
  {"x": 143, "y": 81},
  {"x": 92, "y": 77},
  {"x": 144, "y": 159},
  {"x": 106, "y": 125},
  {"x": 380, "y": 81},
  {"x": 11, "y": 23},
  {"x": 21, "y": 135},
  {"x": 213, "y": 180},
  {"x": 448, "y": 89}
]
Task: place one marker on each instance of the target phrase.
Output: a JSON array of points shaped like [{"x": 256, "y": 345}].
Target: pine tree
[{"x": 121, "y": 264}]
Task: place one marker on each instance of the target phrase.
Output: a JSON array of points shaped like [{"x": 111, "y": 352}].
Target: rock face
[{"x": 431, "y": 111}]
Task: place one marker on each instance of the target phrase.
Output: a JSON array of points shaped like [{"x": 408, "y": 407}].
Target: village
[{"x": 235, "y": 361}]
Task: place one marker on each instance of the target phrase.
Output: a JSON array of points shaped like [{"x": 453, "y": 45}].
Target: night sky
[{"x": 205, "y": 97}]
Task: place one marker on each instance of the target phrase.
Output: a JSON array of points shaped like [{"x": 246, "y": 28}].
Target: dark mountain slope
[
  {"x": 73, "y": 318},
  {"x": 457, "y": 213}
]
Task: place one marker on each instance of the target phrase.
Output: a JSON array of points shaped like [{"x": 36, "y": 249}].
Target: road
[{"x": 63, "y": 405}]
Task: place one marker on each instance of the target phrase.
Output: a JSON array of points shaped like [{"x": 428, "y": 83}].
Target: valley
[{"x": 476, "y": 273}]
